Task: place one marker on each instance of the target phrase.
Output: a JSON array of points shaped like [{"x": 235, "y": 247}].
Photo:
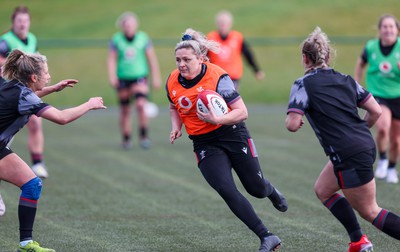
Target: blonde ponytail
[
  {"x": 318, "y": 49},
  {"x": 198, "y": 42},
  {"x": 21, "y": 66}
]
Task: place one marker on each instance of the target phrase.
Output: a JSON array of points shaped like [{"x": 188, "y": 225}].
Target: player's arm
[
  {"x": 248, "y": 55},
  {"x": 238, "y": 109},
  {"x": 294, "y": 121},
  {"x": 373, "y": 109},
  {"x": 237, "y": 114},
  {"x": 298, "y": 104},
  {"x": 112, "y": 66},
  {"x": 154, "y": 68},
  {"x": 68, "y": 115},
  {"x": 56, "y": 87},
  {"x": 176, "y": 122},
  {"x": 360, "y": 67}
]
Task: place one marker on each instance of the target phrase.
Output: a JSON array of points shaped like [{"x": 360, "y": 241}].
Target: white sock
[{"x": 23, "y": 243}]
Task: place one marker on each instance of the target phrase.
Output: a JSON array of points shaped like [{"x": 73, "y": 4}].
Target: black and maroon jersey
[
  {"x": 17, "y": 104},
  {"x": 330, "y": 101}
]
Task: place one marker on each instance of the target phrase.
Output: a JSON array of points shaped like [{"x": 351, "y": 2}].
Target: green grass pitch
[{"x": 101, "y": 198}]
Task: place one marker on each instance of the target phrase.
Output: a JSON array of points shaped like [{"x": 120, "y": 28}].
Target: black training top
[
  {"x": 17, "y": 104},
  {"x": 329, "y": 100}
]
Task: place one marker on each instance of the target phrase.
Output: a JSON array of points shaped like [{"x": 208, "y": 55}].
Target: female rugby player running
[
  {"x": 25, "y": 75},
  {"x": 220, "y": 143},
  {"x": 329, "y": 100}
]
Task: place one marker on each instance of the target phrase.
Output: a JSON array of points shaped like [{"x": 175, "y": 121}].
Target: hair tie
[{"x": 186, "y": 37}]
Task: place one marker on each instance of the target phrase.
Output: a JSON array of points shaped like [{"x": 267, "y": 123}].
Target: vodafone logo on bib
[
  {"x": 385, "y": 67},
  {"x": 185, "y": 104}
]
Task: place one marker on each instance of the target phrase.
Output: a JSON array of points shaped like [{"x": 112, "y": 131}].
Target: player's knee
[
  {"x": 395, "y": 144},
  {"x": 140, "y": 104},
  {"x": 321, "y": 193},
  {"x": 367, "y": 214},
  {"x": 32, "y": 189}
]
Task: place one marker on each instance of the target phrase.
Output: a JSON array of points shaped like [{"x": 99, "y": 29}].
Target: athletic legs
[
  {"x": 326, "y": 188},
  {"x": 216, "y": 169}
]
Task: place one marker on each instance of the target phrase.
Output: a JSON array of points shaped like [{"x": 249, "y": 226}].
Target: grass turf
[{"x": 101, "y": 198}]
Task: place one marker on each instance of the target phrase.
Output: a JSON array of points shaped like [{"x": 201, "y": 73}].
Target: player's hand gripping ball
[{"x": 218, "y": 103}]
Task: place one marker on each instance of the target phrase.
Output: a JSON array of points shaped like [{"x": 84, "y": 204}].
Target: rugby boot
[
  {"x": 270, "y": 243},
  {"x": 279, "y": 201},
  {"x": 33, "y": 247},
  {"x": 363, "y": 245}
]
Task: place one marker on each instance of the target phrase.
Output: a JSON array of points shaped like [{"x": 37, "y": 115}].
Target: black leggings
[{"x": 216, "y": 162}]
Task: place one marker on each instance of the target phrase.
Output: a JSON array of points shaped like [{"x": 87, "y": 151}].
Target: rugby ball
[{"x": 218, "y": 103}]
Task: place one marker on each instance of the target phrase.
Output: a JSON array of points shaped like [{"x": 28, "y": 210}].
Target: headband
[{"x": 186, "y": 37}]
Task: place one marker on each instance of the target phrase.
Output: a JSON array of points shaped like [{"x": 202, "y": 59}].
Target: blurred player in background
[
  {"x": 131, "y": 58},
  {"x": 27, "y": 75},
  {"x": 330, "y": 101},
  {"x": 233, "y": 46},
  {"x": 19, "y": 37},
  {"x": 383, "y": 81},
  {"x": 220, "y": 143}
]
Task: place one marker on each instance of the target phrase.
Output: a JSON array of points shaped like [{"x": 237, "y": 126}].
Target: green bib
[
  {"x": 383, "y": 74},
  {"x": 14, "y": 42},
  {"x": 132, "y": 61}
]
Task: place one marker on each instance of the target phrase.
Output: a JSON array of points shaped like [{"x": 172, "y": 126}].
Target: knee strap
[
  {"x": 124, "y": 102},
  {"x": 139, "y": 95},
  {"x": 32, "y": 189}
]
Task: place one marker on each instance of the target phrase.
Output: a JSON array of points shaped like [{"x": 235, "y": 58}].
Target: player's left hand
[
  {"x": 64, "y": 83},
  {"x": 260, "y": 75}
]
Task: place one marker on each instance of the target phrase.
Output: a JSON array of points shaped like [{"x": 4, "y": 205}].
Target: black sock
[
  {"x": 26, "y": 216},
  {"x": 392, "y": 165},
  {"x": 382, "y": 155},
  {"x": 342, "y": 210},
  {"x": 388, "y": 223},
  {"x": 143, "y": 132},
  {"x": 36, "y": 158},
  {"x": 126, "y": 137}
]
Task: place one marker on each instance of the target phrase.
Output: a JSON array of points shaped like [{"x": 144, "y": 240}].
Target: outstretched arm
[
  {"x": 56, "y": 87},
  {"x": 68, "y": 115}
]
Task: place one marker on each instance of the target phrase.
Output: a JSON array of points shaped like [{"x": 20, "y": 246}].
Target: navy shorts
[
  {"x": 4, "y": 152},
  {"x": 124, "y": 83},
  {"x": 392, "y": 104},
  {"x": 356, "y": 170}
]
